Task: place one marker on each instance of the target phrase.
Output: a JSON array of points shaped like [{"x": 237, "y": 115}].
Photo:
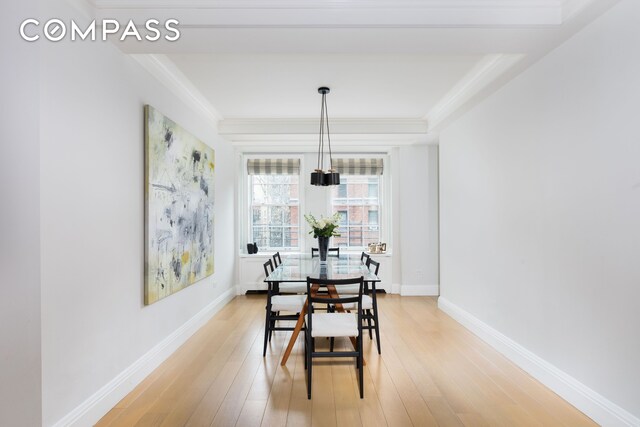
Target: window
[
  {"x": 357, "y": 199},
  {"x": 274, "y": 188},
  {"x": 274, "y": 205},
  {"x": 343, "y": 217},
  {"x": 373, "y": 218},
  {"x": 342, "y": 190}
]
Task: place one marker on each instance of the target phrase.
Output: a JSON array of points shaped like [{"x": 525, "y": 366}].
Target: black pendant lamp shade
[{"x": 319, "y": 176}]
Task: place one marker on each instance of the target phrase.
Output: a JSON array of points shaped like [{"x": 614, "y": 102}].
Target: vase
[{"x": 323, "y": 245}]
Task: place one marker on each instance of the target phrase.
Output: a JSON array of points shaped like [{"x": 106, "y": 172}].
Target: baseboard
[
  {"x": 419, "y": 290},
  {"x": 96, "y": 406},
  {"x": 395, "y": 288},
  {"x": 594, "y": 405}
]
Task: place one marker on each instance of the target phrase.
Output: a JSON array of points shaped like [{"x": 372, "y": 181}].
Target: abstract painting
[{"x": 179, "y": 205}]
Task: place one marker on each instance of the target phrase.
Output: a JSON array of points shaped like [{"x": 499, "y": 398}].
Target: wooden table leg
[
  {"x": 294, "y": 335},
  {"x": 296, "y": 331}
]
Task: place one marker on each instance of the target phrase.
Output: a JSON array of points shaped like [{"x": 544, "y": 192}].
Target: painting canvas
[{"x": 179, "y": 181}]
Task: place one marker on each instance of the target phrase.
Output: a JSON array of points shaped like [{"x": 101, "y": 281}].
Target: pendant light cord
[
  {"x": 326, "y": 110},
  {"x": 321, "y": 134}
]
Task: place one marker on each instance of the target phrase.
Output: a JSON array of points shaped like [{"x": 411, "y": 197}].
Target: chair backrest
[
  {"x": 375, "y": 264},
  {"x": 276, "y": 259},
  {"x": 268, "y": 268},
  {"x": 337, "y": 283},
  {"x": 342, "y": 299},
  {"x": 330, "y": 252},
  {"x": 364, "y": 257}
]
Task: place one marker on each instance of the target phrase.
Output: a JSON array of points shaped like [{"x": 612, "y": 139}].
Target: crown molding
[
  {"x": 280, "y": 127},
  {"x": 163, "y": 69},
  {"x": 308, "y": 144},
  {"x": 486, "y": 72},
  {"x": 572, "y": 8}
]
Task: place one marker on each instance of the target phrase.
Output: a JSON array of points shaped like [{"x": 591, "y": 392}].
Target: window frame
[
  {"x": 247, "y": 227},
  {"x": 384, "y": 190}
]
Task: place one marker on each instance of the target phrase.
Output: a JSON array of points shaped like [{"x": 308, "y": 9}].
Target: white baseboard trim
[
  {"x": 96, "y": 406},
  {"x": 419, "y": 290},
  {"x": 395, "y": 288},
  {"x": 594, "y": 405}
]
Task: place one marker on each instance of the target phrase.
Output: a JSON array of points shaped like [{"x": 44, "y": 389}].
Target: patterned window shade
[
  {"x": 273, "y": 166},
  {"x": 358, "y": 166}
]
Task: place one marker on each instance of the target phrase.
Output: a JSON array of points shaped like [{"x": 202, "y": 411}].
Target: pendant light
[{"x": 318, "y": 176}]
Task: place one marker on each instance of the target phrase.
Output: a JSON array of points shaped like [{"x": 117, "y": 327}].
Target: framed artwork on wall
[{"x": 179, "y": 207}]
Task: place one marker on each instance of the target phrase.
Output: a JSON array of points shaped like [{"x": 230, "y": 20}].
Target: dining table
[{"x": 297, "y": 267}]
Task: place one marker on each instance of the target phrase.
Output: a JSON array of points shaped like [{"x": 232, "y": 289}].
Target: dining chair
[
  {"x": 333, "y": 323},
  {"x": 370, "y": 310},
  {"x": 364, "y": 257},
  {"x": 277, "y": 303},
  {"x": 276, "y": 260},
  {"x": 288, "y": 287},
  {"x": 330, "y": 252},
  {"x": 369, "y": 305}
]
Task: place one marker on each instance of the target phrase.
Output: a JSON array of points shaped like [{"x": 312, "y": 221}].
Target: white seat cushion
[
  {"x": 292, "y": 303},
  {"x": 348, "y": 289},
  {"x": 367, "y": 304},
  {"x": 293, "y": 288},
  {"x": 334, "y": 325}
]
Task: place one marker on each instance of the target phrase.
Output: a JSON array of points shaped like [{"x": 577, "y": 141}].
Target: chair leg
[
  {"x": 331, "y": 341},
  {"x": 376, "y": 322},
  {"x": 267, "y": 329},
  {"x": 309, "y": 369},
  {"x": 306, "y": 350},
  {"x": 377, "y": 335},
  {"x": 368, "y": 313},
  {"x": 360, "y": 368},
  {"x": 273, "y": 325}
]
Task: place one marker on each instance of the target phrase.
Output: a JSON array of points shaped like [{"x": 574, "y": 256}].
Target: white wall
[
  {"x": 540, "y": 208},
  {"x": 94, "y": 322},
  {"x": 418, "y": 219},
  {"x": 20, "y": 385}
]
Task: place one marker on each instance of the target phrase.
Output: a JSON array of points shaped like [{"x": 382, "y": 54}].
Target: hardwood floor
[{"x": 432, "y": 371}]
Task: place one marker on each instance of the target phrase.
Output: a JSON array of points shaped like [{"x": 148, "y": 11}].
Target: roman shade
[
  {"x": 358, "y": 166},
  {"x": 273, "y": 166}
]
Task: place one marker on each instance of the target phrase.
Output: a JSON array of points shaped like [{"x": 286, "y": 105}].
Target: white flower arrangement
[{"x": 323, "y": 227}]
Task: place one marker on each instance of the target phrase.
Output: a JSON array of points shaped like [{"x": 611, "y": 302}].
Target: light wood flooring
[{"x": 432, "y": 371}]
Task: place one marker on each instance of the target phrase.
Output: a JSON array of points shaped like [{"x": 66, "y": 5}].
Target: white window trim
[
  {"x": 386, "y": 208},
  {"x": 244, "y": 198}
]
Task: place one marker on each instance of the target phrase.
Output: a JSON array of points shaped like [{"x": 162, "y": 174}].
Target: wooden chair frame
[{"x": 332, "y": 298}]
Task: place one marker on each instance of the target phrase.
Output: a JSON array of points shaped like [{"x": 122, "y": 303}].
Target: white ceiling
[
  {"x": 402, "y": 60},
  {"x": 362, "y": 86}
]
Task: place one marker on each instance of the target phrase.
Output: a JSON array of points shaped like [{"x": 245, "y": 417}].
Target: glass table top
[{"x": 296, "y": 268}]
